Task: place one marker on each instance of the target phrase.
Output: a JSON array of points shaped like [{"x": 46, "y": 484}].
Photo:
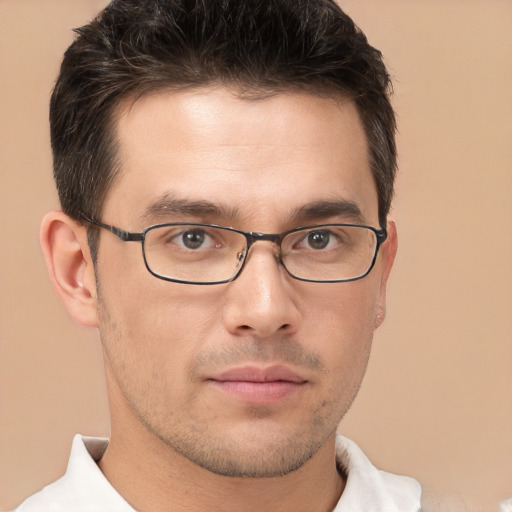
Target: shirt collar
[
  {"x": 84, "y": 487},
  {"x": 369, "y": 489}
]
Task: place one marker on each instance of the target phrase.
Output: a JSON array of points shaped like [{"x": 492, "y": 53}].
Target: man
[{"x": 225, "y": 170}]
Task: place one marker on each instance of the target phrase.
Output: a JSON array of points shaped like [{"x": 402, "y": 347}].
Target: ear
[
  {"x": 387, "y": 254},
  {"x": 65, "y": 249}
]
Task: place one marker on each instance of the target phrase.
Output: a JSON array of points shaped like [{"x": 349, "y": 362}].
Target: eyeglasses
[{"x": 209, "y": 254}]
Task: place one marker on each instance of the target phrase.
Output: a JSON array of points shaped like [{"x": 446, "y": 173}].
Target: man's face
[{"x": 250, "y": 377}]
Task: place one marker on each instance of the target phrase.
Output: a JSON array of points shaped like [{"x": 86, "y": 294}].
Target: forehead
[{"x": 255, "y": 156}]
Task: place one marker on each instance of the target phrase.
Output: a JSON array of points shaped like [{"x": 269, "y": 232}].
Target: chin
[{"x": 260, "y": 452}]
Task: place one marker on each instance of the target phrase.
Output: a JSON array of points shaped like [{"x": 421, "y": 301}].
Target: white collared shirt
[
  {"x": 84, "y": 488},
  {"x": 506, "y": 505}
]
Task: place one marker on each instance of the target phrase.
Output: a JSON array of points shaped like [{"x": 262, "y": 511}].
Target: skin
[{"x": 179, "y": 438}]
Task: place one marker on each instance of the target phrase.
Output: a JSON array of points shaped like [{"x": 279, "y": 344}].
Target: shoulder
[
  {"x": 53, "y": 497},
  {"x": 82, "y": 488}
]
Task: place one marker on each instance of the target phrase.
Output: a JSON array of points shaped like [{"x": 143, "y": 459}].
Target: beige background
[{"x": 437, "y": 400}]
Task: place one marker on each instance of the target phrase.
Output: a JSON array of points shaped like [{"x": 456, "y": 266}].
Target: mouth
[{"x": 252, "y": 384}]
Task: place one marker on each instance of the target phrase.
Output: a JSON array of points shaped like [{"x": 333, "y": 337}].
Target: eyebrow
[
  {"x": 348, "y": 210},
  {"x": 168, "y": 206}
]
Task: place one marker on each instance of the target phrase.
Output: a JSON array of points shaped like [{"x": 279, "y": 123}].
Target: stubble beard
[{"x": 253, "y": 454}]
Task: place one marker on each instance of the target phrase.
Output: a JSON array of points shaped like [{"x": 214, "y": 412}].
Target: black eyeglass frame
[{"x": 250, "y": 237}]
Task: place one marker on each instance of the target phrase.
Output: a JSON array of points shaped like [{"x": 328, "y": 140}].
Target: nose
[{"x": 263, "y": 300}]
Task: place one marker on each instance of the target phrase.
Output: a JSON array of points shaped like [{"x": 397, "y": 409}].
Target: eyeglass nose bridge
[{"x": 255, "y": 236}]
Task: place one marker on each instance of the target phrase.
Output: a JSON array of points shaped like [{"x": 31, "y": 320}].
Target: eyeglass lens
[{"x": 207, "y": 254}]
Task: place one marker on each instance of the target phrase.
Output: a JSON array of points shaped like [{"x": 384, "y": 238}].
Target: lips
[
  {"x": 259, "y": 385},
  {"x": 255, "y": 374}
]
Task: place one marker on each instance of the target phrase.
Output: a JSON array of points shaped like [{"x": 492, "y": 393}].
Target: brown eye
[
  {"x": 193, "y": 239},
  {"x": 319, "y": 239}
]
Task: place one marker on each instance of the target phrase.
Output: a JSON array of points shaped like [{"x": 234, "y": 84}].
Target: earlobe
[
  {"x": 388, "y": 253},
  {"x": 65, "y": 249}
]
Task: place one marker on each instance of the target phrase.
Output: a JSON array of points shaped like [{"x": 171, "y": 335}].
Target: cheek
[
  {"x": 157, "y": 325},
  {"x": 345, "y": 310},
  {"x": 340, "y": 325},
  {"x": 150, "y": 342}
]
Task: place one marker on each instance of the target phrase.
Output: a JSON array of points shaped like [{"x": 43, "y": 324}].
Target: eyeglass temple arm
[
  {"x": 382, "y": 234},
  {"x": 125, "y": 236}
]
